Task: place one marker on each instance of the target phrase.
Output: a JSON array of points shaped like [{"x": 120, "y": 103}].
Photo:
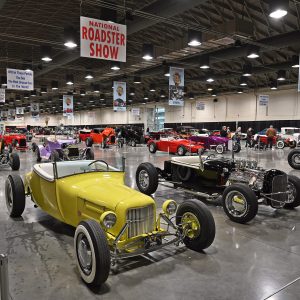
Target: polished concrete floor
[{"x": 260, "y": 260}]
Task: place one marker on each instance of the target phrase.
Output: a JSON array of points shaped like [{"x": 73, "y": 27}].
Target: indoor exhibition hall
[{"x": 149, "y": 149}]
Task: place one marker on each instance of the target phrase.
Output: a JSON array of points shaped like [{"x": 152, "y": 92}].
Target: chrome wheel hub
[
  {"x": 9, "y": 195},
  {"x": 296, "y": 159},
  {"x": 144, "y": 179},
  {"x": 291, "y": 191},
  {"x": 236, "y": 204},
  {"x": 84, "y": 254}
]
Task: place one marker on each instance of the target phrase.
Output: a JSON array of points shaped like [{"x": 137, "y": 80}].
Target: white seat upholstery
[
  {"x": 188, "y": 161},
  {"x": 45, "y": 170}
]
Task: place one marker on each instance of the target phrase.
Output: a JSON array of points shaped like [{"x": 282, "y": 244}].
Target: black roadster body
[{"x": 242, "y": 184}]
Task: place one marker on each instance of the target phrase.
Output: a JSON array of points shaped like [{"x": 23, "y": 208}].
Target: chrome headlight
[
  {"x": 108, "y": 219},
  {"x": 66, "y": 151},
  {"x": 169, "y": 207}
]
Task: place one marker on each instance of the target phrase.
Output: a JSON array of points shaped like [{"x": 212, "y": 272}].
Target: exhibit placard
[
  {"x": 68, "y": 107},
  {"x": 102, "y": 40},
  {"x": 20, "y": 113},
  {"x": 11, "y": 114},
  {"x": 200, "y": 105},
  {"x": 176, "y": 86},
  {"x": 135, "y": 111},
  {"x": 3, "y": 115},
  {"x": 35, "y": 110},
  {"x": 263, "y": 100},
  {"x": 119, "y": 96},
  {"x": 2, "y": 95},
  {"x": 20, "y": 80}
]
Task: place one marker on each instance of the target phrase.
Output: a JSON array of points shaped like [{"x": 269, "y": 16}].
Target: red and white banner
[{"x": 102, "y": 39}]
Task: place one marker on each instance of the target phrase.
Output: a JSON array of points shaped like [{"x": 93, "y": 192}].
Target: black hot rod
[{"x": 242, "y": 184}]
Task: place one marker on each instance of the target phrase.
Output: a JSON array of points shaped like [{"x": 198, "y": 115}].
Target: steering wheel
[
  {"x": 100, "y": 160},
  {"x": 210, "y": 156}
]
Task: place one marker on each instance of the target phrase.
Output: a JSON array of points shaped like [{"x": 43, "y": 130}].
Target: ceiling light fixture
[
  {"x": 69, "y": 79},
  {"x": 96, "y": 88},
  {"x": 253, "y": 52},
  {"x": 243, "y": 81},
  {"x": 43, "y": 90},
  {"x": 209, "y": 88},
  {"x": 295, "y": 61},
  {"x": 194, "y": 38},
  {"x": 115, "y": 65},
  {"x": 102, "y": 97},
  {"x": 70, "y": 37},
  {"x": 278, "y": 8},
  {"x": 162, "y": 94},
  {"x": 247, "y": 70},
  {"x": 152, "y": 87},
  {"x": 191, "y": 96},
  {"x": 281, "y": 75},
  {"x": 89, "y": 75},
  {"x": 54, "y": 85},
  {"x": 131, "y": 91},
  {"x": 33, "y": 93},
  {"x": 204, "y": 62},
  {"x": 148, "y": 51},
  {"x": 82, "y": 93},
  {"x": 214, "y": 93},
  {"x": 210, "y": 79},
  {"x": 274, "y": 85},
  {"x": 137, "y": 79},
  {"x": 46, "y": 53}
]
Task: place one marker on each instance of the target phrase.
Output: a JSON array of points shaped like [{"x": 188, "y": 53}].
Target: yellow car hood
[{"x": 106, "y": 189}]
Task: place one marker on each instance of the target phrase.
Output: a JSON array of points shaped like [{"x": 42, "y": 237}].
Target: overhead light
[
  {"x": 43, "y": 90},
  {"x": 204, "y": 62},
  {"x": 54, "y": 85},
  {"x": 102, "y": 97},
  {"x": 148, "y": 51},
  {"x": 96, "y": 88},
  {"x": 115, "y": 65},
  {"x": 278, "y": 8},
  {"x": 26, "y": 96},
  {"x": 69, "y": 79},
  {"x": 33, "y": 93},
  {"x": 166, "y": 69},
  {"x": 131, "y": 91},
  {"x": 295, "y": 61},
  {"x": 281, "y": 75},
  {"x": 185, "y": 90},
  {"x": 253, "y": 52},
  {"x": 3, "y": 80},
  {"x": 61, "y": 97},
  {"x": 91, "y": 100},
  {"x": 240, "y": 91},
  {"x": 89, "y": 75},
  {"x": 46, "y": 53},
  {"x": 214, "y": 93},
  {"x": 146, "y": 97},
  {"x": 210, "y": 79},
  {"x": 137, "y": 79},
  {"x": 247, "y": 70},
  {"x": 18, "y": 98},
  {"x": 82, "y": 93},
  {"x": 191, "y": 96},
  {"x": 274, "y": 85},
  {"x": 70, "y": 37},
  {"x": 243, "y": 81},
  {"x": 194, "y": 38},
  {"x": 209, "y": 88},
  {"x": 152, "y": 87}
]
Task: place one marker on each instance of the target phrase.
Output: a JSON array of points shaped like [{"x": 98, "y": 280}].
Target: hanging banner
[
  {"x": 4, "y": 115},
  {"x": 35, "y": 110},
  {"x": 299, "y": 76},
  {"x": 2, "y": 95},
  {"x": 11, "y": 114},
  {"x": 20, "y": 113},
  {"x": 200, "y": 105},
  {"x": 68, "y": 106},
  {"x": 119, "y": 96},
  {"x": 19, "y": 80},
  {"x": 135, "y": 111},
  {"x": 263, "y": 100},
  {"x": 176, "y": 86},
  {"x": 102, "y": 40}
]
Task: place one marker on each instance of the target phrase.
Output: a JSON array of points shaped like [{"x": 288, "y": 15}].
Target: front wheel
[
  {"x": 280, "y": 144},
  {"x": 236, "y": 148},
  {"x": 293, "y": 144},
  {"x": 152, "y": 147},
  {"x": 15, "y": 195},
  {"x": 14, "y": 161},
  {"x": 33, "y": 147},
  {"x": 146, "y": 177},
  {"x": 240, "y": 203},
  {"x": 220, "y": 149},
  {"x": 294, "y": 159},
  {"x": 89, "y": 154},
  {"x": 181, "y": 151},
  {"x": 293, "y": 192},
  {"x": 89, "y": 142},
  {"x": 92, "y": 253},
  {"x": 197, "y": 224}
]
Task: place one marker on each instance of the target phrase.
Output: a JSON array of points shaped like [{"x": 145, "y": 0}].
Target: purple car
[
  {"x": 220, "y": 144},
  {"x": 62, "y": 149}
]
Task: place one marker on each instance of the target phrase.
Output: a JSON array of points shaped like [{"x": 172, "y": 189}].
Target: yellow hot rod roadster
[{"x": 112, "y": 221}]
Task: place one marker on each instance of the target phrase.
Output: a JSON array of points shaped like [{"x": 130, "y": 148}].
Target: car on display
[
  {"x": 133, "y": 136},
  {"x": 61, "y": 149},
  {"x": 113, "y": 222},
  {"x": 155, "y": 135},
  {"x": 15, "y": 140},
  {"x": 174, "y": 145},
  {"x": 241, "y": 183},
  {"x": 288, "y": 137},
  {"x": 101, "y": 136},
  {"x": 8, "y": 158},
  {"x": 84, "y": 134},
  {"x": 209, "y": 141},
  {"x": 261, "y": 141},
  {"x": 294, "y": 158}
]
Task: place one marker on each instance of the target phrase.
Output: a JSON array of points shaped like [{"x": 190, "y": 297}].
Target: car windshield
[
  {"x": 292, "y": 130},
  {"x": 67, "y": 168}
]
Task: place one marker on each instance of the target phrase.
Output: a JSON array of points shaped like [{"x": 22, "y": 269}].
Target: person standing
[
  {"x": 238, "y": 135},
  {"x": 271, "y": 133},
  {"x": 223, "y": 131},
  {"x": 249, "y": 137}
]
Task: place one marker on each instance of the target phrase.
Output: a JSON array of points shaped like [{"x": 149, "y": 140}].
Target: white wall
[{"x": 283, "y": 105}]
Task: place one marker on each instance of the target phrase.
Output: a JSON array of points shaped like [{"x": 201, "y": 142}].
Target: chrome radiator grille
[
  {"x": 140, "y": 220},
  {"x": 279, "y": 185}
]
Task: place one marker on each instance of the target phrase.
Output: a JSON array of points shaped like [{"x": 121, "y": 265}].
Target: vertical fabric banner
[
  {"x": 11, "y": 114},
  {"x": 3, "y": 115},
  {"x": 119, "y": 96},
  {"x": 2, "y": 95},
  {"x": 176, "y": 86},
  {"x": 200, "y": 105},
  {"x": 20, "y": 113},
  {"x": 299, "y": 75},
  {"x": 35, "y": 110},
  {"x": 68, "y": 106}
]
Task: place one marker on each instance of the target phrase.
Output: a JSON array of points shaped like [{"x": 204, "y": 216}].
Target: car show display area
[{"x": 252, "y": 261}]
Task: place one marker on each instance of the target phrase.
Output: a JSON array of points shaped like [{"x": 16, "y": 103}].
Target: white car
[{"x": 289, "y": 136}]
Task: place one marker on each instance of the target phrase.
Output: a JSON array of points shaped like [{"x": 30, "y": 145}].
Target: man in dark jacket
[{"x": 223, "y": 131}]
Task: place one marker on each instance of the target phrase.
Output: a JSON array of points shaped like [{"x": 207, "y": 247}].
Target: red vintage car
[
  {"x": 84, "y": 134},
  {"x": 15, "y": 140},
  {"x": 175, "y": 145},
  {"x": 101, "y": 136}
]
